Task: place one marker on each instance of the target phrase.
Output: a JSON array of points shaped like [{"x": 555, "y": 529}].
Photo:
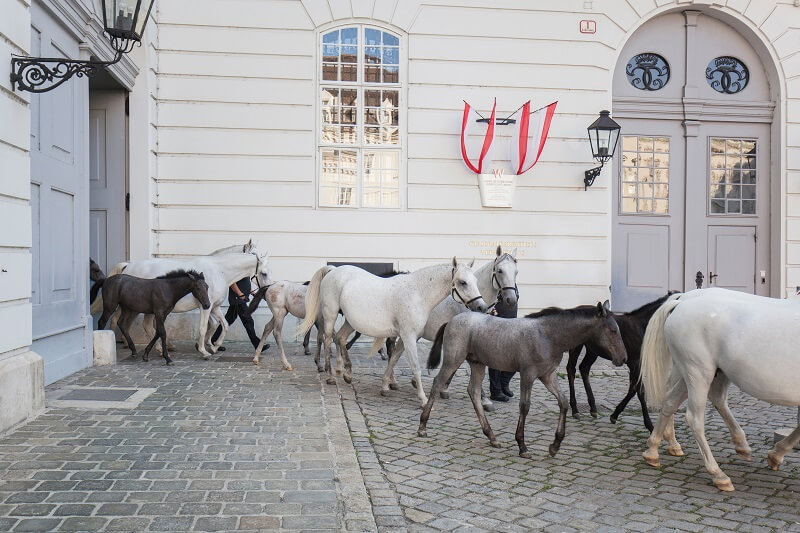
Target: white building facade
[{"x": 329, "y": 131}]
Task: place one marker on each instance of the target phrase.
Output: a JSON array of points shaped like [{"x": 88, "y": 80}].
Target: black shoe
[
  {"x": 498, "y": 397},
  {"x": 508, "y": 392},
  {"x": 221, "y": 349}
]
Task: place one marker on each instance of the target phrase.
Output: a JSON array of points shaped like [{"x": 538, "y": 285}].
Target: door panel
[
  {"x": 107, "y": 178},
  {"x": 732, "y": 258},
  {"x": 59, "y": 191}
]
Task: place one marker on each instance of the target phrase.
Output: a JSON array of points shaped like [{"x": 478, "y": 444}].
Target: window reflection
[
  {"x": 644, "y": 185},
  {"x": 732, "y": 180}
]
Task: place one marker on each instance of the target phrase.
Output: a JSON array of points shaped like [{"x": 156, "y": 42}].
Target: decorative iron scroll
[
  {"x": 647, "y": 72},
  {"x": 727, "y": 75}
]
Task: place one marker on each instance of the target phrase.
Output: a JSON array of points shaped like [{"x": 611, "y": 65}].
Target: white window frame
[{"x": 360, "y": 85}]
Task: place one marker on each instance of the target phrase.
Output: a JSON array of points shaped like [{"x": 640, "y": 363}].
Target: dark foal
[
  {"x": 152, "y": 297},
  {"x": 631, "y": 326},
  {"x": 532, "y": 346}
]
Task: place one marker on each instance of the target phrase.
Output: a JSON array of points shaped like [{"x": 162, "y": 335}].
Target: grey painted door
[
  {"x": 647, "y": 255},
  {"x": 732, "y": 258},
  {"x": 59, "y": 209},
  {"x": 107, "y": 178}
]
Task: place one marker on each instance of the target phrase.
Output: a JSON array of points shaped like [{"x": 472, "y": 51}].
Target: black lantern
[
  {"x": 124, "y": 21},
  {"x": 603, "y": 137}
]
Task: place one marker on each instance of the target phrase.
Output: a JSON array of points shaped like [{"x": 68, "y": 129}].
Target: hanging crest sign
[{"x": 527, "y": 142}]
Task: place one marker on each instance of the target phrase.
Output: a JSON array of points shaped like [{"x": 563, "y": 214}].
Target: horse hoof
[
  {"x": 613, "y": 419},
  {"x": 394, "y": 386},
  {"x": 772, "y": 461},
  {"x": 488, "y": 407},
  {"x": 745, "y": 455},
  {"x": 576, "y": 416},
  {"x": 495, "y": 444},
  {"x": 651, "y": 460},
  {"x": 206, "y": 357},
  {"x": 675, "y": 451},
  {"x": 255, "y": 362},
  {"x": 525, "y": 455},
  {"x": 724, "y": 485},
  {"x": 307, "y": 352},
  {"x": 422, "y": 433},
  {"x": 348, "y": 378},
  {"x": 553, "y": 449},
  {"x": 385, "y": 392},
  {"x": 288, "y": 368},
  {"x": 338, "y": 372},
  {"x": 593, "y": 413},
  {"x": 331, "y": 381},
  {"x": 444, "y": 395}
]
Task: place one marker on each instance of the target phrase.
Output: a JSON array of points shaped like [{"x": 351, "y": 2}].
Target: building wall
[
  {"x": 237, "y": 133},
  {"x": 21, "y": 370}
]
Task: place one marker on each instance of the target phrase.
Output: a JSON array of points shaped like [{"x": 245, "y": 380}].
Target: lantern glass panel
[{"x": 144, "y": 14}]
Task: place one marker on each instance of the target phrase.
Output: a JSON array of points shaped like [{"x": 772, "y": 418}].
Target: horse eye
[
  {"x": 500, "y": 271},
  {"x": 463, "y": 282}
]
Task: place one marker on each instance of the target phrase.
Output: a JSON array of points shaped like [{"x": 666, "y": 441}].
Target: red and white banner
[
  {"x": 529, "y": 136},
  {"x": 467, "y": 121}
]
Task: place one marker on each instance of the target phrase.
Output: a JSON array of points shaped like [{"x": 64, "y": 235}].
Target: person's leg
[
  {"x": 505, "y": 381},
  {"x": 248, "y": 323},
  {"x": 495, "y": 386}
]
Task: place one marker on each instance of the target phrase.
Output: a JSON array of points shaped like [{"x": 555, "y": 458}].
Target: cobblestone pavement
[
  {"x": 223, "y": 446},
  {"x": 453, "y": 479},
  {"x": 218, "y": 446}
]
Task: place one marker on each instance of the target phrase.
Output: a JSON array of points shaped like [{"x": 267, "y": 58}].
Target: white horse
[
  {"x": 283, "y": 298},
  {"x": 699, "y": 342},
  {"x": 383, "y": 307},
  {"x": 497, "y": 278},
  {"x": 220, "y": 272}
]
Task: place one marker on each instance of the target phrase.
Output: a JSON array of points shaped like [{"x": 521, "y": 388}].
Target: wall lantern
[
  {"x": 603, "y": 136},
  {"x": 124, "y": 21}
]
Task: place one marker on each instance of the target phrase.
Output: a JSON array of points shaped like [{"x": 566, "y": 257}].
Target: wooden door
[
  {"x": 107, "y": 178},
  {"x": 59, "y": 210}
]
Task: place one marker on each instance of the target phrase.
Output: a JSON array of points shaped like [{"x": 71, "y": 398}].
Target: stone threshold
[{"x": 65, "y": 397}]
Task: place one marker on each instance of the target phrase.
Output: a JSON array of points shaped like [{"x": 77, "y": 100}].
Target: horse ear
[
  {"x": 601, "y": 310},
  {"x": 514, "y": 254},
  {"x": 471, "y": 263},
  {"x": 191, "y": 275},
  {"x": 455, "y": 262},
  {"x": 202, "y": 276},
  {"x": 499, "y": 250}
]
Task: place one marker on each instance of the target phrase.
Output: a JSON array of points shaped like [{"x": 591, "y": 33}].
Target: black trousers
[
  {"x": 499, "y": 380},
  {"x": 238, "y": 307}
]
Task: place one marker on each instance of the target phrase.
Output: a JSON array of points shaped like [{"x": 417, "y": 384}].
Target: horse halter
[
  {"x": 456, "y": 296},
  {"x": 497, "y": 281},
  {"x": 254, "y": 277}
]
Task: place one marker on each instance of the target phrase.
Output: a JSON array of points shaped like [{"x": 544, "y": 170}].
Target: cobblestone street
[{"x": 225, "y": 445}]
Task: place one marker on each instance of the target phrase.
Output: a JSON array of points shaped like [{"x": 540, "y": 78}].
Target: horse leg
[
  {"x": 277, "y": 332},
  {"x": 410, "y": 343},
  {"x": 306, "y": 342},
  {"x": 645, "y": 411},
  {"x": 664, "y": 426},
  {"x": 699, "y": 386},
  {"x": 201, "y": 336},
  {"x": 388, "y": 381},
  {"x": 327, "y": 339},
  {"x": 776, "y": 454},
  {"x": 621, "y": 406},
  {"x": 125, "y": 318},
  {"x": 267, "y": 330},
  {"x": 341, "y": 345},
  {"x": 551, "y": 382},
  {"x": 571, "y": 364},
  {"x": 474, "y": 390},
  {"x": 525, "y": 385},
  {"x": 585, "y": 367},
  {"x": 162, "y": 332},
  {"x": 353, "y": 340},
  {"x": 320, "y": 337},
  {"x": 719, "y": 397},
  {"x": 219, "y": 317},
  {"x": 443, "y": 377},
  {"x": 148, "y": 325}
]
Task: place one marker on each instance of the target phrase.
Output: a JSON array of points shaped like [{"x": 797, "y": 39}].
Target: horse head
[
  {"x": 504, "y": 276},
  {"x": 199, "y": 288},
  {"x": 609, "y": 338},
  {"x": 95, "y": 272},
  {"x": 465, "y": 287},
  {"x": 263, "y": 274}
]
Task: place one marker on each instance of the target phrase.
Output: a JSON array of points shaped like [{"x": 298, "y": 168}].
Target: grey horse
[{"x": 532, "y": 346}]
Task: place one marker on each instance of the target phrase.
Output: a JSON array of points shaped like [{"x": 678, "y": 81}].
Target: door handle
[{"x": 711, "y": 277}]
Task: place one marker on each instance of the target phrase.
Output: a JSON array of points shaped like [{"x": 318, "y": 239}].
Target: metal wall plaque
[
  {"x": 727, "y": 75},
  {"x": 647, "y": 71}
]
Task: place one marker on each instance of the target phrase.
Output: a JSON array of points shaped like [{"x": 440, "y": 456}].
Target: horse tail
[
  {"x": 435, "y": 357},
  {"x": 377, "y": 344},
  {"x": 312, "y": 300},
  {"x": 656, "y": 357}
]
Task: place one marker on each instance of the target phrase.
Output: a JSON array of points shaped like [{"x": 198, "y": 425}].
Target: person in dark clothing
[
  {"x": 238, "y": 294},
  {"x": 499, "y": 380}
]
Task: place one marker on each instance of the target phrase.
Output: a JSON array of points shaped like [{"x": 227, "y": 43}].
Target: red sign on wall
[{"x": 588, "y": 26}]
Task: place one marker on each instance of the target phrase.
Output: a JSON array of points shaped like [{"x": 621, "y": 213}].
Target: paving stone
[
  {"x": 260, "y": 522},
  {"x": 83, "y": 523},
  {"x": 37, "y": 524}
]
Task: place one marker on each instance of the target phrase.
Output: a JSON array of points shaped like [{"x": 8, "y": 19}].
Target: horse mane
[
  {"x": 179, "y": 273},
  {"x": 650, "y": 308},
  {"x": 581, "y": 310}
]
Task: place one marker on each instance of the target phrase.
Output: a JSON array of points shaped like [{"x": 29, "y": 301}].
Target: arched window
[{"x": 359, "y": 139}]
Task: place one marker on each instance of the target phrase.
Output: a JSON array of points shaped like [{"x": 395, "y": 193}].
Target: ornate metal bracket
[
  {"x": 698, "y": 279},
  {"x": 42, "y": 74},
  {"x": 590, "y": 175}
]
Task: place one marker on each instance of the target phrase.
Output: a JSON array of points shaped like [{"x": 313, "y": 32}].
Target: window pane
[
  {"x": 350, "y": 36},
  {"x": 338, "y": 177},
  {"x": 331, "y": 37},
  {"x": 372, "y": 197},
  {"x": 372, "y": 74},
  {"x": 732, "y": 189},
  {"x": 372, "y": 36},
  {"x": 391, "y": 75},
  {"x": 330, "y": 71},
  {"x": 390, "y": 40},
  {"x": 644, "y": 188},
  {"x": 391, "y": 56},
  {"x": 330, "y": 53},
  {"x": 381, "y": 178}
]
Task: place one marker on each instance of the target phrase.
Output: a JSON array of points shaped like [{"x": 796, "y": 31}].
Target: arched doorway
[{"x": 692, "y": 174}]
